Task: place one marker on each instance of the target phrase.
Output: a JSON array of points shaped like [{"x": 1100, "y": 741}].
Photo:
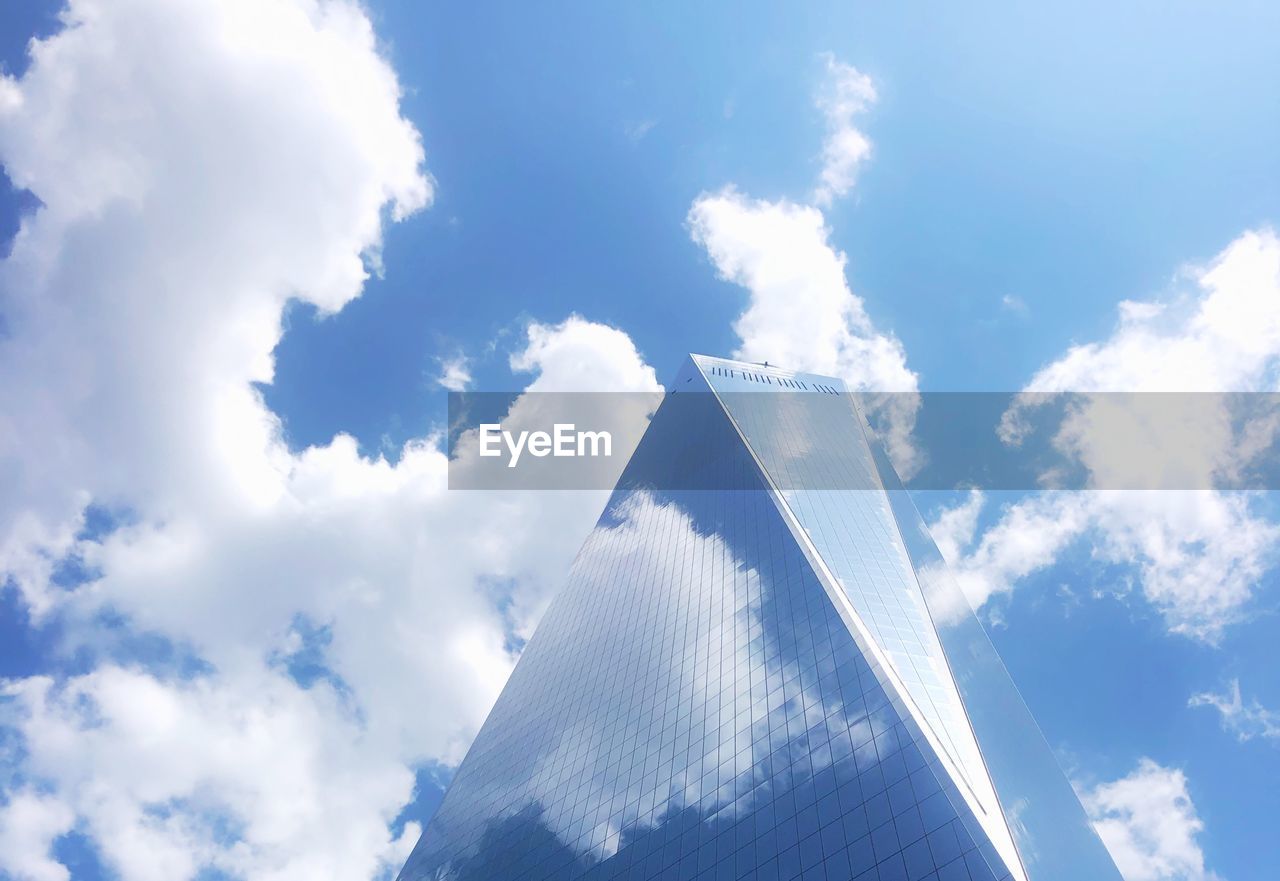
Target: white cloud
[
  {"x": 29, "y": 824},
  {"x": 401, "y": 572},
  {"x": 1218, "y": 332},
  {"x": 1221, "y": 333},
  {"x": 1150, "y": 824},
  {"x": 845, "y": 94},
  {"x": 455, "y": 373},
  {"x": 581, "y": 356},
  {"x": 151, "y": 766},
  {"x": 801, "y": 313},
  {"x": 953, "y": 528},
  {"x": 1245, "y": 720},
  {"x": 649, "y": 544},
  {"x": 193, "y": 183},
  {"x": 641, "y": 544},
  {"x": 1199, "y": 555}
]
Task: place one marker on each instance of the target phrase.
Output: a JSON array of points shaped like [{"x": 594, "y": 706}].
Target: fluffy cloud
[
  {"x": 155, "y": 768},
  {"x": 371, "y": 572},
  {"x": 954, "y": 528},
  {"x": 1220, "y": 333},
  {"x": 1199, "y": 554},
  {"x": 583, "y": 356},
  {"x": 29, "y": 822},
  {"x": 455, "y": 373},
  {"x": 845, "y": 93},
  {"x": 199, "y": 164},
  {"x": 1150, "y": 825},
  {"x": 801, "y": 313},
  {"x": 328, "y": 621},
  {"x": 1245, "y": 720}
]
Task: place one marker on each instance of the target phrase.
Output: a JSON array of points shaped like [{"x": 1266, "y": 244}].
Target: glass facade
[{"x": 742, "y": 683}]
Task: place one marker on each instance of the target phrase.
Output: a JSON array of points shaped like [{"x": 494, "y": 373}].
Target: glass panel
[
  {"x": 1055, "y": 838},
  {"x": 808, "y": 439},
  {"x": 694, "y": 706}
]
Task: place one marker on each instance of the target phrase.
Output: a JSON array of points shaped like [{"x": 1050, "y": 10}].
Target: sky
[{"x": 245, "y": 629}]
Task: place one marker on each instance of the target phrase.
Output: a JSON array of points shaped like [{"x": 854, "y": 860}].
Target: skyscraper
[{"x": 759, "y": 669}]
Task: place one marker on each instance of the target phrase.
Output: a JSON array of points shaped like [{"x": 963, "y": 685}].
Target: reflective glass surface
[
  {"x": 695, "y": 705},
  {"x": 879, "y": 551},
  {"x": 1055, "y": 838},
  {"x": 806, "y": 433}
]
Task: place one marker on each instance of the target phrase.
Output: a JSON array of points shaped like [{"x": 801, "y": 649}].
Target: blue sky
[
  {"x": 1057, "y": 160},
  {"x": 1030, "y": 170}
]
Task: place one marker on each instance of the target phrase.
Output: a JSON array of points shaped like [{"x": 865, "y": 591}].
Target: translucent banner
[{"x": 937, "y": 441}]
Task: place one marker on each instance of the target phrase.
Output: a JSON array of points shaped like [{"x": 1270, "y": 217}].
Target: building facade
[{"x": 759, "y": 668}]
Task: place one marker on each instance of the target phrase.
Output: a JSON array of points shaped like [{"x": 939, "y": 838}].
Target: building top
[{"x": 725, "y": 375}]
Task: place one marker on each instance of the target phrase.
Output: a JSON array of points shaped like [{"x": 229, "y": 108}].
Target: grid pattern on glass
[
  {"x": 804, "y": 439},
  {"x": 692, "y": 706},
  {"x": 1056, "y": 841}
]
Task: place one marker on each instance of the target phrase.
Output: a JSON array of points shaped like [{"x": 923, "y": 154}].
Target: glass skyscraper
[{"x": 759, "y": 669}]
